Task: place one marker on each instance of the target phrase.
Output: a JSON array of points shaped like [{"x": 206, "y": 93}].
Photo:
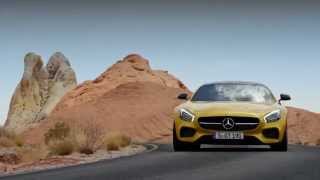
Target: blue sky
[{"x": 270, "y": 42}]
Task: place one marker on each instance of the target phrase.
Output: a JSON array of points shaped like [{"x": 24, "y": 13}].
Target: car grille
[{"x": 239, "y": 123}]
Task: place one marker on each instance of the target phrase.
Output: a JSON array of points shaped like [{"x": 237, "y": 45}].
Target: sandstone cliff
[
  {"x": 132, "y": 68},
  {"x": 129, "y": 97},
  {"x": 303, "y": 126},
  {"x": 39, "y": 90}
]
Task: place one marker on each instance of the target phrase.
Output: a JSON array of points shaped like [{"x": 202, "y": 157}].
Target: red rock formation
[
  {"x": 303, "y": 126},
  {"x": 129, "y": 97}
]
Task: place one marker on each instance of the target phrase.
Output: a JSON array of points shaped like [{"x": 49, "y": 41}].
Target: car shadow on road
[
  {"x": 222, "y": 148},
  {"x": 233, "y": 150}
]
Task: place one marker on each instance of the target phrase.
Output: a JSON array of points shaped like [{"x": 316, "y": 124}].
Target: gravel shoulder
[{"x": 75, "y": 159}]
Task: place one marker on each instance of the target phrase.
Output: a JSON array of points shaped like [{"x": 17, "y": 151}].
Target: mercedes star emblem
[{"x": 228, "y": 123}]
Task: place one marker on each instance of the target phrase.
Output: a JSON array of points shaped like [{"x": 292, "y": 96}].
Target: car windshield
[{"x": 235, "y": 92}]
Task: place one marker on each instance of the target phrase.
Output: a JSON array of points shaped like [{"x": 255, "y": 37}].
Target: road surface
[{"x": 299, "y": 162}]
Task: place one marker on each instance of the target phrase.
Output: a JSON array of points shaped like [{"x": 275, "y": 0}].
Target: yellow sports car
[{"x": 231, "y": 113}]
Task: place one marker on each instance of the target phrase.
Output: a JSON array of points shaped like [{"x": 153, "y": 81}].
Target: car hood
[{"x": 229, "y": 108}]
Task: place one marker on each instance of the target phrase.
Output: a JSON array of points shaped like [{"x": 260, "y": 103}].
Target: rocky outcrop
[
  {"x": 30, "y": 94},
  {"x": 39, "y": 90},
  {"x": 141, "y": 110},
  {"x": 129, "y": 97},
  {"x": 61, "y": 79},
  {"x": 303, "y": 127},
  {"x": 132, "y": 68}
]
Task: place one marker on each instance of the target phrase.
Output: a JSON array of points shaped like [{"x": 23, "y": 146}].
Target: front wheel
[
  {"x": 281, "y": 146},
  {"x": 179, "y": 146}
]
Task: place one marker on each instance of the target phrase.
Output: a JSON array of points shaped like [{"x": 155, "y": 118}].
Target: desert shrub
[
  {"x": 18, "y": 140},
  {"x": 86, "y": 150},
  {"x": 116, "y": 141},
  {"x": 60, "y": 131},
  {"x": 87, "y": 137},
  {"x": 84, "y": 137},
  {"x": 61, "y": 147},
  {"x": 58, "y": 140}
]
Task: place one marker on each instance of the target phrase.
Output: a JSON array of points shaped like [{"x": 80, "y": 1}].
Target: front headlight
[
  {"x": 186, "y": 115},
  {"x": 273, "y": 116}
]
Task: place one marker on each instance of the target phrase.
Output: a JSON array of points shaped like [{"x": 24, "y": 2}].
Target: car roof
[{"x": 236, "y": 82}]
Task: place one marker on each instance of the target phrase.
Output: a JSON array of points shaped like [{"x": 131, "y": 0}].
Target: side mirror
[
  {"x": 284, "y": 97},
  {"x": 183, "y": 96}
]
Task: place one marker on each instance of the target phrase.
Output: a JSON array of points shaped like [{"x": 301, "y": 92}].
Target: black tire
[
  {"x": 179, "y": 146},
  {"x": 282, "y": 146}
]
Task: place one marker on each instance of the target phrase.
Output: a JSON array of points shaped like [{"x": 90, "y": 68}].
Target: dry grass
[
  {"x": 32, "y": 154},
  {"x": 18, "y": 140},
  {"x": 61, "y": 147},
  {"x": 63, "y": 138},
  {"x": 116, "y": 141},
  {"x": 9, "y": 138},
  {"x": 87, "y": 137},
  {"x": 60, "y": 131},
  {"x": 58, "y": 140}
]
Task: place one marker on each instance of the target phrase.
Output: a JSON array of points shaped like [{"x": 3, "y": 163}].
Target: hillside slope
[
  {"x": 132, "y": 68},
  {"x": 304, "y": 126},
  {"x": 129, "y": 97}
]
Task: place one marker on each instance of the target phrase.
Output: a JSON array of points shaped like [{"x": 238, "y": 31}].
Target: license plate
[{"x": 228, "y": 135}]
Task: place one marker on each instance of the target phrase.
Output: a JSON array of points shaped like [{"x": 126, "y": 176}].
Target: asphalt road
[{"x": 212, "y": 164}]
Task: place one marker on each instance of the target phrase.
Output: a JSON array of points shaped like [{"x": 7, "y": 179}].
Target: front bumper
[{"x": 258, "y": 136}]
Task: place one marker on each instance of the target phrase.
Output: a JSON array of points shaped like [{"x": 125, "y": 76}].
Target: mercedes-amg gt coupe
[{"x": 231, "y": 113}]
